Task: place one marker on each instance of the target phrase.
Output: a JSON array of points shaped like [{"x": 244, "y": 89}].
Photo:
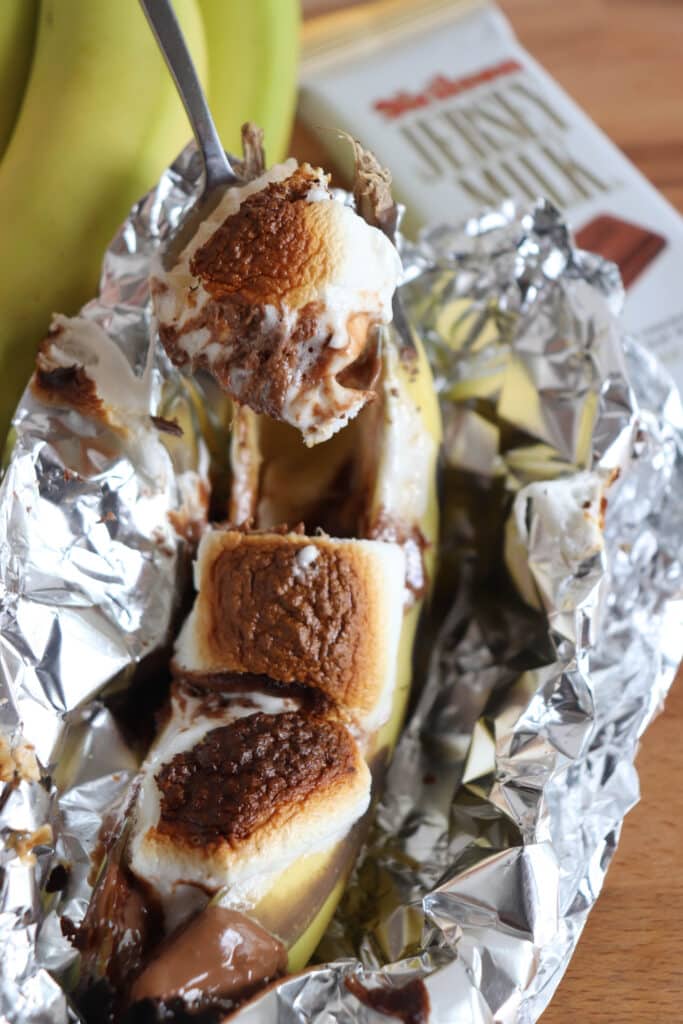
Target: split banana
[
  {"x": 311, "y": 750},
  {"x": 312, "y": 760},
  {"x": 292, "y": 672},
  {"x": 394, "y": 443}
]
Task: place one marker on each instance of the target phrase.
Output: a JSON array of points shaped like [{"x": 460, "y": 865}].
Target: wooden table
[{"x": 622, "y": 61}]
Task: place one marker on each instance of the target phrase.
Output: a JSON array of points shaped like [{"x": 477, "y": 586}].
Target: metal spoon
[{"x": 218, "y": 172}]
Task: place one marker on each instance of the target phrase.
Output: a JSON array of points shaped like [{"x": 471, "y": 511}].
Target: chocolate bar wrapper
[{"x": 466, "y": 118}]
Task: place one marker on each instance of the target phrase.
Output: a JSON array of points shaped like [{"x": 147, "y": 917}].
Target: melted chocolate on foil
[{"x": 410, "y": 1002}]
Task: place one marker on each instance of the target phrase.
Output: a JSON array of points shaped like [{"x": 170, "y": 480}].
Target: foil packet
[{"x": 554, "y": 634}]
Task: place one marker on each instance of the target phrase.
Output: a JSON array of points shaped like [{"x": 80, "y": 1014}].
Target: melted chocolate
[
  {"x": 414, "y": 545},
  {"x": 264, "y": 359},
  {"x": 58, "y": 878},
  {"x": 235, "y": 779},
  {"x": 175, "y": 1011},
  {"x": 122, "y": 923},
  {"x": 410, "y": 1002},
  {"x": 363, "y": 373},
  {"x": 219, "y": 953},
  {"x": 214, "y": 688}
]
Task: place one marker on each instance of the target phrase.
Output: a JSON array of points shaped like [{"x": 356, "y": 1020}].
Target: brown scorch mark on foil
[
  {"x": 66, "y": 385},
  {"x": 265, "y": 250},
  {"x": 240, "y": 775}
]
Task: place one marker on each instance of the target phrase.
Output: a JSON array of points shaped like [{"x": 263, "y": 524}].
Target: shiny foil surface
[{"x": 555, "y": 631}]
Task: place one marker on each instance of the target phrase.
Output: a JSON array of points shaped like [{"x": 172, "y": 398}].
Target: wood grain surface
[{"x": 622, "y": 61}]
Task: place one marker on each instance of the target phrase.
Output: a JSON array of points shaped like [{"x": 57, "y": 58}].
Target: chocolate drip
[
  {"x": 414, "y": 545},
  {"x": 220, "y": 953},
  {"x": 410, "y": 1003}
]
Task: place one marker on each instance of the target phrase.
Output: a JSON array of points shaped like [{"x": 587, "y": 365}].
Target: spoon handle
[{"x": 169, "y": 36}]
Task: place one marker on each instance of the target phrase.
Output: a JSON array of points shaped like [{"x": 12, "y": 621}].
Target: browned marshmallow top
[
  {"x": 240, "y": 783},
  {"x": 231, "y": 783},
  {"x": 271, "y": 249},
  {"x": 278, "y": 295},
  {"x": 269, "y": 612},
  {"x": 311, "y": 610}
]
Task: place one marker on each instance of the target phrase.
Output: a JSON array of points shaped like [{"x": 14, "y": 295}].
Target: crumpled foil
[{"x": 554, "y": 634}]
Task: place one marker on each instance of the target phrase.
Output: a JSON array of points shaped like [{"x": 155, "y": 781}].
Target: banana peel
[
  {"x": 253, "y": 65},
  {"x": 96, "y": 99},
  {"x": 17, "y": 36}
]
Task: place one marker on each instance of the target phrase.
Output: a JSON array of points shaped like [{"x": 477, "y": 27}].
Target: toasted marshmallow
[
  {"x": 240, "y": 784},
  {"x": 313, "y": 610},
  {"x": 279, "y": 292}
]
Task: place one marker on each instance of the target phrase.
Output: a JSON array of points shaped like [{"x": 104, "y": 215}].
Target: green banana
[
  {"x": 17, "y": 36},
  {"x": 99, "y": 122},
  {"x": 253, "y": 58}
]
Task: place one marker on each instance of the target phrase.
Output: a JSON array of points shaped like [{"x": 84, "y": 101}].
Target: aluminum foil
[{"x": 554, "y": 635}]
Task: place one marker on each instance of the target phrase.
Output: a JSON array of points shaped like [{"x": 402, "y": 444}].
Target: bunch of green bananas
[{"x": 89, "y": 118}]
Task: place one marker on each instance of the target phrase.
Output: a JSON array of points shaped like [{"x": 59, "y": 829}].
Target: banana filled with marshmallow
[{"x": 292, "y": 670}]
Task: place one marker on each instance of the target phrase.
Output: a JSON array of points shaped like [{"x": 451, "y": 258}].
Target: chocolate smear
[
  {"x": 410, "y": 1003},
  {"x": 220, "y": 953}
]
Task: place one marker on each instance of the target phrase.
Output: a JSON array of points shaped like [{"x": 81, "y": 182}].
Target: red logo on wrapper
[{"x": 441, "y": 87}]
